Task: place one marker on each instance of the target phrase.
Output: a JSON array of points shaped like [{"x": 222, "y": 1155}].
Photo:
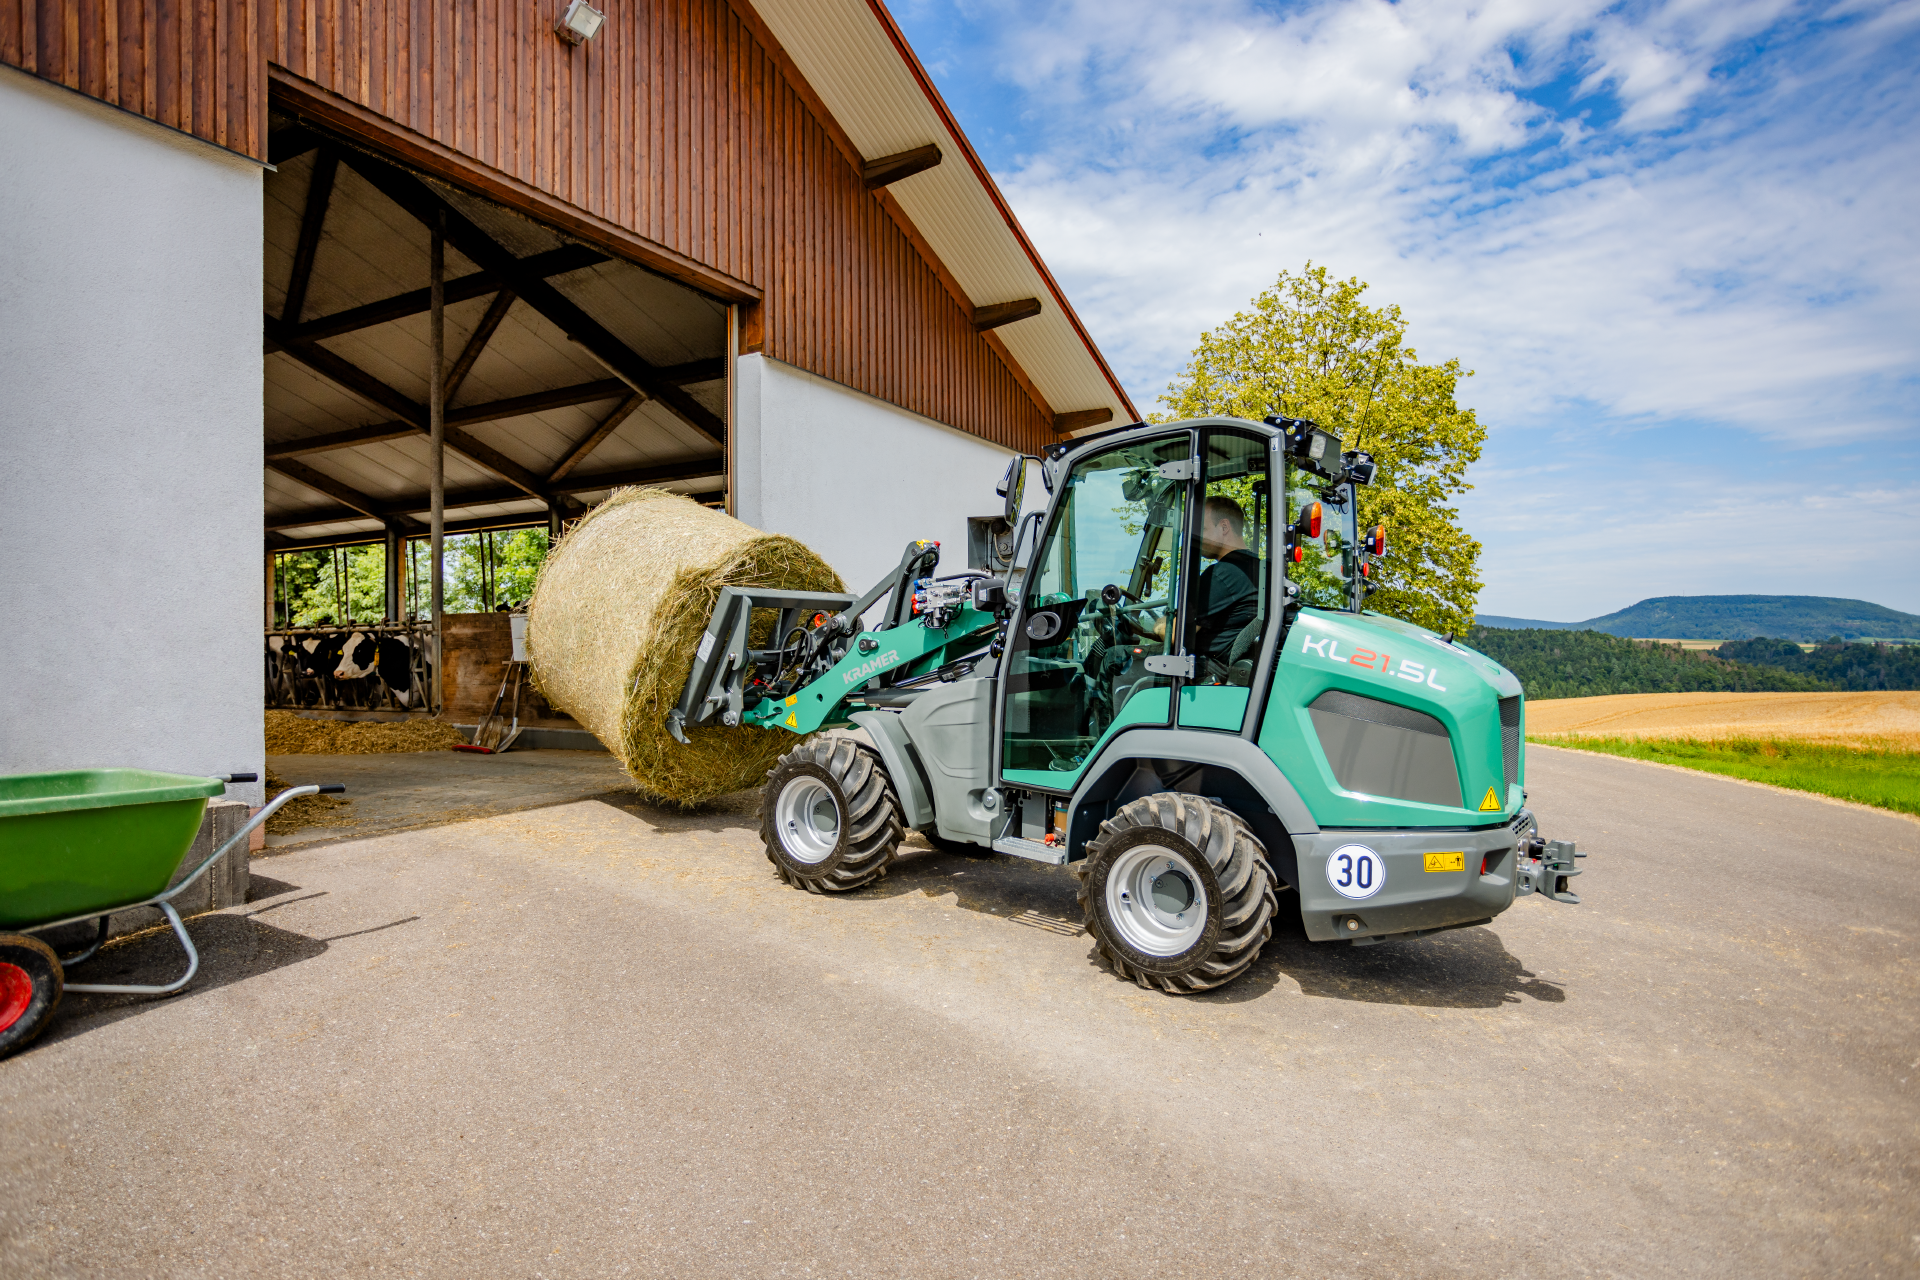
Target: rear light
[
  {"x": 1299, "y": 555},
  {"x": 1310, "y": 519},
  {"x": 1377, "y": 540}
]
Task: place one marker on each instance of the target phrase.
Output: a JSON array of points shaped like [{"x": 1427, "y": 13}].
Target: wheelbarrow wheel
[{"x": 31, "y": 982}]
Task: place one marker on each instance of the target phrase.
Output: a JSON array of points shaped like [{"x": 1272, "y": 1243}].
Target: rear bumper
[{"x": 1409, "y": 900}]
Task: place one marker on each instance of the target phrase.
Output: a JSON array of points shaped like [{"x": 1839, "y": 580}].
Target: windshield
[{"x": 1329, "y": 564}]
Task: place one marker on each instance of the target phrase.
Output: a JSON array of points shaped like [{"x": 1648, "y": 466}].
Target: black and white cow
[{"x": 364, "y": 654}]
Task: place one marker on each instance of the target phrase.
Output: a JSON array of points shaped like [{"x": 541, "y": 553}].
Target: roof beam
[
  {"x": 711, "y": 369},
  {"x": 364, "y": 384},
  {"x": 492, "y": 411},
  {"x": 360, "y": 503},
  {"x": 413, "y": 195},
  {"x": 593, "y": 439},
  {"x": 276, "y": 542},
  {"x": 558, "y": 398},
  {"x": 996, "y": 314},
  {"x": 319, "y": 195},
  {"x": 482, "y": 334},
  {"x": 665, "y": 473},
  {"x": 475, "y": 284},
  {"x": 890, "y": 169},
  {"x": 1080, "y": 420}
]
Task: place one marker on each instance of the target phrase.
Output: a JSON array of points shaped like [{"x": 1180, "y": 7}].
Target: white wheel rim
[
  {"x": 1156, "y": 900},
  {"x": 808, "y": 820}
]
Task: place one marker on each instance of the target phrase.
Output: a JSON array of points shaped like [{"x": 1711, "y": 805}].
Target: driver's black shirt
[{"x": 1224, "y": 602}]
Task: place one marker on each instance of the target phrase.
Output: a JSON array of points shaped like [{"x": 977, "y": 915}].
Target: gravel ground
[{"x": 595, "y": 1039}]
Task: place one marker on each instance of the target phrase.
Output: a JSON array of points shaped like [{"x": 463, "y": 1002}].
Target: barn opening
[{"x": 566, "y": 372}]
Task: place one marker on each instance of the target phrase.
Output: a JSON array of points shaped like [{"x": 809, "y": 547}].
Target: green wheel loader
[{"x": 1174, "y": 687}]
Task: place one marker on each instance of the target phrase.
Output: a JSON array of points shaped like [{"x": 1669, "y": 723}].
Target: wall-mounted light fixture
[{"x": 579, "y": 22}]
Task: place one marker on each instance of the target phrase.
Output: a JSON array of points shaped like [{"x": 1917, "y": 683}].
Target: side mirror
[{"x": 1013, "y": 487}]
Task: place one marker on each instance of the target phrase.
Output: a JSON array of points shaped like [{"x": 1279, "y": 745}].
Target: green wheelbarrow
[{"x": 82, "y": 845}]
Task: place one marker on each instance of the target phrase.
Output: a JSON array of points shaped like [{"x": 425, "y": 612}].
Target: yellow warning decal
[
  {"x": 793, "y": 721},
  {"x": 1446, "y": 862},
  {"x": 1491, "y": 804},
  {"x": 795, "y": 698}
]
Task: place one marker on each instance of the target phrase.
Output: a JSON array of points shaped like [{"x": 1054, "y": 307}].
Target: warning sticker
[
  {"x": 1491, "y": 804},
  {"x": 705, "y": 650},
  {"x": 1446, "y": 862}
]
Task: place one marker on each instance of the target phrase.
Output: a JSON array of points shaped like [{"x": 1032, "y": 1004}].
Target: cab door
[{"x": 1103, "y": 597}]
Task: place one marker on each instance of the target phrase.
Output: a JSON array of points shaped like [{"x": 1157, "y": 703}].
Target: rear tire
[
  {"x": 31, "y": 983},
  {"x": 1177, "y": 893},
  {"x": 829, "y": 816}
]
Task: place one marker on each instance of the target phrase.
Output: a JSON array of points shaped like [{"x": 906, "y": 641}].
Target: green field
[{"x": 1884, "y": 779}]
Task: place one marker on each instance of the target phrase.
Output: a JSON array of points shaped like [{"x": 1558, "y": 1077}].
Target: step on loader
[{"x": 1176, "y": 690}]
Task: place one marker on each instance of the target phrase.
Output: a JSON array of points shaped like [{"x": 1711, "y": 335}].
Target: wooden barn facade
[{"x": 737, "y": 249}]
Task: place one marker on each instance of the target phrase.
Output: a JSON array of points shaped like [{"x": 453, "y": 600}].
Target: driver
[{"x": 1228, "y": 594}]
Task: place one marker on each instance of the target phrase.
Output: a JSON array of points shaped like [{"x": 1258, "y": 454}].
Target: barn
[{"x": 739, "y": 250}]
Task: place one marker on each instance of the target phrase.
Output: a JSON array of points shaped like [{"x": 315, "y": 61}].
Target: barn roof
[{"x": 874, "y": 90}]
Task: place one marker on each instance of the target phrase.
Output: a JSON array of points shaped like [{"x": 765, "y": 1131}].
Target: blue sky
[{"x": 1679, "y": 244}]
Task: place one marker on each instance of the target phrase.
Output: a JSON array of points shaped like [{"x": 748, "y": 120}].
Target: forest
[
  {"x": 1849, "y": 665},
  {"x": 1586, "y": 664}
]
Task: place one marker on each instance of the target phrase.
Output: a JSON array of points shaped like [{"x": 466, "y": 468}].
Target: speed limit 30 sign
[{"x": 1356, "y": 871}]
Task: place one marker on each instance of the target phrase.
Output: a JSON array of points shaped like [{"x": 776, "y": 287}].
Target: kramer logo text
[{"x": 872, "y": 666}]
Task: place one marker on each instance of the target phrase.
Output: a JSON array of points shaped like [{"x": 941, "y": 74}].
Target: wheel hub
[
  {"x": 1156, "y": 900},
  {"x": 807, "y": 818}
]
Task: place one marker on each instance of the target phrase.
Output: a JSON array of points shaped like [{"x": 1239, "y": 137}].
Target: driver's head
[{"x": 1223, "y": 527}]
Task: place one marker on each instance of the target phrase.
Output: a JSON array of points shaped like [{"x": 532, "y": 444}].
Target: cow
[{"x": 365, "y": 654}]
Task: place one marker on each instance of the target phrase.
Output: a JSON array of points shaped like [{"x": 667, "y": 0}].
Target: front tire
[
  {"x": 829, "y": 816},
  {"x": 1177, "y": 894},
  {"x": 31, "y": 983}
]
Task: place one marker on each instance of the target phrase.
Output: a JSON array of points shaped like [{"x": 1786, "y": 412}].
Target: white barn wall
[
  {"x": 853, "y": 477},
  {"x": 130, "y": 410}
]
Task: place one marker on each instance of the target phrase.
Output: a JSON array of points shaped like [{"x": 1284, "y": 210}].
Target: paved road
[{"x": 596, "y": 1040}]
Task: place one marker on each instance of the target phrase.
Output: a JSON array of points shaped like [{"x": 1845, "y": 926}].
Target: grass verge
[{"x": 1884, "y": 778}]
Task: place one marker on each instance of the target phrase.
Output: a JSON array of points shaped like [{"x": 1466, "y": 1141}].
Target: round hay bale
[{"x": 616, "y": 617}]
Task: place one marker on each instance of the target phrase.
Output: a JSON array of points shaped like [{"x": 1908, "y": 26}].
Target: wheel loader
[{"x": 1173, "y": 687}]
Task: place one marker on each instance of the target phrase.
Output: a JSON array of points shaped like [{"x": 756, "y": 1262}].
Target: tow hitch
[{"x": 1545, "y": 866}]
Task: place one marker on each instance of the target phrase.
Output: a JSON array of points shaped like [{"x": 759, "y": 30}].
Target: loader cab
[{"x": 1147, "y": 599}]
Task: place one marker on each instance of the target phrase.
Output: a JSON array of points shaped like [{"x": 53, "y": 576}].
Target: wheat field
[{"x": 1880, "y": 720}]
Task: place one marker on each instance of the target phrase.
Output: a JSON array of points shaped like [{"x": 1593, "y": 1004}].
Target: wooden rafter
[
  {"x": 697, "y": 469},
  {"x": 476, "y": 284},
  {"x": 890, "y": 169},
  {"x": 470, "y": 415},
  {"x": 594, "y": 438},
  {"x": 463, "y": 365},
  {"x": 999, "y": 313},
  {"x": 418, "y": 199},
  {"x": 319, "y": 195},
  {"x": 1080, "y": 420}
]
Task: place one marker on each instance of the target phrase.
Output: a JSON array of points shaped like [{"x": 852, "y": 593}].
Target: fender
[
  {"x": 1228, "y": 752},
  {"x": 903, "y": 765}
]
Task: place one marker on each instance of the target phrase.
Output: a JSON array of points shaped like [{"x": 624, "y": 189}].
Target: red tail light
[{"x": 1310, "y": 520}]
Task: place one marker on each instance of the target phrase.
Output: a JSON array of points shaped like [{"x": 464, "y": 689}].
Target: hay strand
[{"x": 616, "y": 617}]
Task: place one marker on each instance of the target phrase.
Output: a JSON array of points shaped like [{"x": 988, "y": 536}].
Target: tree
[{"x": 1310, "y": 348}]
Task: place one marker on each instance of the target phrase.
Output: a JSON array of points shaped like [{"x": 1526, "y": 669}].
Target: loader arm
[{"x": 819, "y": 660}]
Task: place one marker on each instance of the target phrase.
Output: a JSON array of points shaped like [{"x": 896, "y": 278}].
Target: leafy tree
[
  {"x": 481, "y": 571},
  {"x": 1310, "y": 348}
]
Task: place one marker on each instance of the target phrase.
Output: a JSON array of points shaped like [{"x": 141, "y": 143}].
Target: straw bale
[
  {"x": 292, "y": 734},
  {"x": 618, "y": 613}
]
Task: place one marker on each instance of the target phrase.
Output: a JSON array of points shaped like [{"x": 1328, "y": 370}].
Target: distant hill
[
  {"x": 1523, "y": 624},
  {"x": 1738, "y": 618},
  {"x": 1586, "y": 664}
]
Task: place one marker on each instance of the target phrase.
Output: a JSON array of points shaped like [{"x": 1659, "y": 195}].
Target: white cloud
[{"x": 1716, "y": 232}]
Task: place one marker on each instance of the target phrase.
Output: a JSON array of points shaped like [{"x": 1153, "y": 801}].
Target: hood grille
[{"x": 1510, "y": 738}]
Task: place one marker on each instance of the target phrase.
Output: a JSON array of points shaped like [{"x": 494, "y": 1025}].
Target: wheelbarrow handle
[
  {"x": 332, "y": 788},
  {"x": 240, "y": 777}
]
